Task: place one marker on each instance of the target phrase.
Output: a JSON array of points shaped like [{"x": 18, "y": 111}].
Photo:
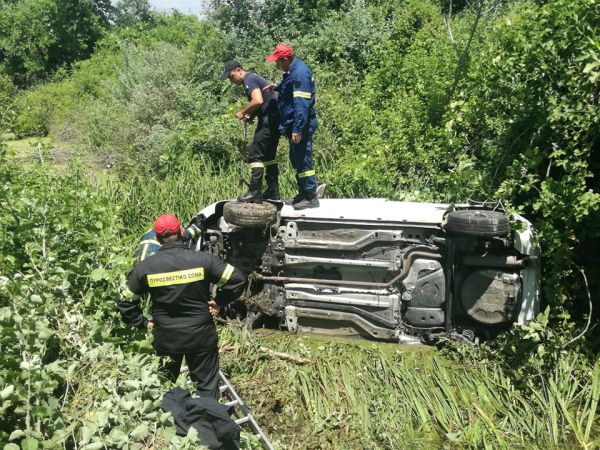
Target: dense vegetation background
[{"x": 417, "y": 100}]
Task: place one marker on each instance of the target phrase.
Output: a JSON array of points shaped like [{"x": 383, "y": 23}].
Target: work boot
[
  {"x": 297, "y": 199},
  {"x": 253, "y": 195},
  {"x": 310, "y": 200},
  {"x": 271, "y": 193},
  {"x": 272, "y": 179}
]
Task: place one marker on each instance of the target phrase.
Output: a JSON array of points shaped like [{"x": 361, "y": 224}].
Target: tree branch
[
  {"x": 464, "y": 54},
  {"x": 448, "y": 22},
  {"x": 287, "y": 356}
]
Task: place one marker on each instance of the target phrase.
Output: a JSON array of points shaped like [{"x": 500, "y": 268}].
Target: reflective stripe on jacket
[
  {"x": 296, "y": 100},
  {"x": 149, "y": 245}
]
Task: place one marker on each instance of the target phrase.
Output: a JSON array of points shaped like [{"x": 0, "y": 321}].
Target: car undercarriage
[{"x": 398, "y": 271}]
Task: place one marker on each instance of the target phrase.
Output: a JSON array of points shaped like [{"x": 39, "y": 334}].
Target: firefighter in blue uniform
[
  {"x": 298, "y": 120},
  {"x": 149, "y": 245}
]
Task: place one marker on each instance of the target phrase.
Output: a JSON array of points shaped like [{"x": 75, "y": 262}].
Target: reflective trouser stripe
[
  {"x": 270, "y": 163},
  {"x": 308, "y": 173},
  {"x": 143, "y": 256},
  {"x": 302, "y": 162},
  {"x": 257, "y": 165},
  {"x": 226, "y": 276},
  {"x": 302, "y": 94}
]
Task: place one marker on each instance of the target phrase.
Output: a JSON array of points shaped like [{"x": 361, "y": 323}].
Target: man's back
[
  {"x": 149, "y": 244},
  {"x": 297, "y": 94},
  {"x": 178, "y": 280}
]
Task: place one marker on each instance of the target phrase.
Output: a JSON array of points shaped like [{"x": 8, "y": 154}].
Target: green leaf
[
  {"x": 7, "y": 391},
  {"x": 132, "y": 384},
  {"x": 17, "y": 434},
  {"x": 29, "y": 444},
  {"x": 591, "y": 66},
  {"x": 99, "y": 274},
  {"x": 141, "y": 431},
  {"x": 118, "y": 436},
  {"x": 129, "y": 405},
  {"x": 101, "y": 418},
  {"x": 143, "y": 346}
]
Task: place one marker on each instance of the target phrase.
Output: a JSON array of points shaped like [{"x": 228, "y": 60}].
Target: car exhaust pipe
[{"x": 408, "y": 259}]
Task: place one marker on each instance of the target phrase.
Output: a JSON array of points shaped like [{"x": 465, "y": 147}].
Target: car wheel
[
  {"x": 478, "y": 223},
  {"x": 251, "y": 215}
]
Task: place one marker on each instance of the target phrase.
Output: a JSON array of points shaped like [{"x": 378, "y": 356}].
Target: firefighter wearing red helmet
[{"x": 179, "y": 280}]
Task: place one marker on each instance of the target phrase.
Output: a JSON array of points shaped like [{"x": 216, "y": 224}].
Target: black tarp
[{"x": 209, "y": 417}]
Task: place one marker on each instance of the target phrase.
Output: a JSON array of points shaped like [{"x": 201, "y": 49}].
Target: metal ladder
[{"x": 241, "y": 411}]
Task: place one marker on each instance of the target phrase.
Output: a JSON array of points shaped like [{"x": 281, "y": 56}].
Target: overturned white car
[{"x": 385, "y": 269}]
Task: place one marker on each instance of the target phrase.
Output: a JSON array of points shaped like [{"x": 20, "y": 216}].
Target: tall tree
[
  {"x": 130, "y": 12},
  {"x": 39, "y": 36}
]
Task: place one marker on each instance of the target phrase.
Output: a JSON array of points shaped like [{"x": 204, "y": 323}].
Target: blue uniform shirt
[
  {"x": 297, "y": 100},
  {"x": 149, "y": 245}
]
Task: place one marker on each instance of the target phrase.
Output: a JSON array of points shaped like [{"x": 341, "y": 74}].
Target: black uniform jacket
[{"x": 178, "y": 280}]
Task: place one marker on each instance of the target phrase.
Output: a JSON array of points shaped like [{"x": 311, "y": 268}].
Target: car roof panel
[{"x": 372, "y": 209}]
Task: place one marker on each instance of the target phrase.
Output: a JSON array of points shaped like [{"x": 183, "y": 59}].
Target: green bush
[
  {"x": 7, "y": 95},
  {"x": 505, "y": 108},
  {"x": 526, "y": 112},
  {"x": 33, "y": 114},
  {"x": 67, "y": 377},
  {"x": 38, "y": 37}
]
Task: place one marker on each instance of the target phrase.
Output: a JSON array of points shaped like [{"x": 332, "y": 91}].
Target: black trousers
[
  {"x": 265, "y": 141},
  {"x": 203, "y": 368}
]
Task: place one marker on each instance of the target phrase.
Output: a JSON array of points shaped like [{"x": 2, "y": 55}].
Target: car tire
[
  {"x": 250, "y": 215},
  {"x": 478, "y": 223}
]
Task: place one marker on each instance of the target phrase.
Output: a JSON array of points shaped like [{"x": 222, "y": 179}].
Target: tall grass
[
  {"x": 197, "y": 183},
  {"x": 365, "y": 395}
]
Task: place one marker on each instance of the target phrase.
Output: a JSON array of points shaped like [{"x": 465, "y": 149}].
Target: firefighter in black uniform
[
  {"x": 262, "y": 156},
  {"x": 178, "y": 280}
]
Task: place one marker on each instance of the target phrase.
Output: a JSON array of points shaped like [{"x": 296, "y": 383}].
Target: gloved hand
[
  {"x": 196, "y": 229},
  {"x": 192, "y": 232}
]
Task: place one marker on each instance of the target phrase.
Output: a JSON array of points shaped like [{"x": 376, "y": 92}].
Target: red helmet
[{"x": 166, "y": 225}]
